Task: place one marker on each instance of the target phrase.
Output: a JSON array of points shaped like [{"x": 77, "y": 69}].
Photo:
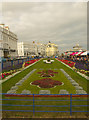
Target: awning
[
  {"x": 84, "y": 53},
  {"x": 74, "y": 53},
  {"x": 80, "y": 53}
]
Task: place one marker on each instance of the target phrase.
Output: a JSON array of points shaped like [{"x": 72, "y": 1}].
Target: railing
[{"x": 57, "y": 103}]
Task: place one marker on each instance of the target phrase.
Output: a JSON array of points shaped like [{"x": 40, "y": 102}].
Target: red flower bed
[
  {"x": 47, "y": 73},
  {"x": 46, "y": 83},
  {"x": 70, "y": 63},
  {"x": 30, "y": 62},
  {"x": 4, "y": 75}
]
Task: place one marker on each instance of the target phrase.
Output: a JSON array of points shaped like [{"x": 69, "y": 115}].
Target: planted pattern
[
  {"x": 46, "y": 83},
  {"x": 47, "y": 73}
]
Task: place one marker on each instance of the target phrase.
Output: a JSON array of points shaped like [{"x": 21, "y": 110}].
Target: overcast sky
[{"x": 64, "y": 24}]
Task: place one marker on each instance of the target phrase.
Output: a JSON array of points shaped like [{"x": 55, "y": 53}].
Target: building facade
[
  {"x": 41, "y": 49},
  {"x": 8, "y": 42},
  {"x": 31, "y": 49},
  {"x": 27, "y": 49},
  {"x": 51, "y": 49}
]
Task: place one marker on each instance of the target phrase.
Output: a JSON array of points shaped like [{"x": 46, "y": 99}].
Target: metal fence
[{"x": 38, "y": 101}]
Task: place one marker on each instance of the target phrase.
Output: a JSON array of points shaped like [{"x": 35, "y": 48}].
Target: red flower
[
  {"x": 46, "y": 83},
  {"x": 47, "y": 73}
]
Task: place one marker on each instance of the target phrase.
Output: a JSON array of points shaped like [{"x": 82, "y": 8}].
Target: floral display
[
  {"x": 47, "y": 73},
  {"x": 84, "y": 72},
  {"x": 70, "y": 63},
  {"x": 77, "y": 66},
  {"x": 87, "y": 73},
  {"x": 5, "y": 74},
  {"x": 81, "y": 66},
  {"x": 30, "y": 62},
  {"x": 46, "y": 83}
]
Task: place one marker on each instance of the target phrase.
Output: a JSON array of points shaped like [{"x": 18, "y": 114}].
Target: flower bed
[
  {"x": 30, "y": 62},
  {"x": 46, "y": 83},
  {"x": 84, "y": 72},
  {"x": 47, "y": 73},
  {"x": 76, "y": 67},
  {"x": 70, "y": 63},
  {"x": 5, "y": 74}
]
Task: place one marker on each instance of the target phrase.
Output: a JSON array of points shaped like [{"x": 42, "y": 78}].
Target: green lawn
[
  {"x": 34, "y": 89},
  {"x": 56, "y": 65},
  {"x": 55, "y": 90}
]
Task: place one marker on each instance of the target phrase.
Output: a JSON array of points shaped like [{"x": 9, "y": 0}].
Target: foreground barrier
[{"x": 34, "y": 103}]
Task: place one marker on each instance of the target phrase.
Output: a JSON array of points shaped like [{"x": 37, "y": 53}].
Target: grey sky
[{"x": 64, "y": 24}]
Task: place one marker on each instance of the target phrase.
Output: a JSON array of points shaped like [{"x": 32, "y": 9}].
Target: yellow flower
[{"x": 23, "y": 65}]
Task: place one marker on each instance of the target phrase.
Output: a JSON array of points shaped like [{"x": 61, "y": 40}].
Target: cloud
[{"x": 64, "y": 24}]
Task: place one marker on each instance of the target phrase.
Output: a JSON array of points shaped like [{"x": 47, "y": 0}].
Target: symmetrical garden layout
[
  {"x": 42, "y": 78},
  {"x": 55, "y": 78}
]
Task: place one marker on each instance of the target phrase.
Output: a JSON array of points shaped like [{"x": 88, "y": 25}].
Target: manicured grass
[
  {"x": 56, "y": 65},
  {"x": 12, "y": 81},
  {"x": 78, "y": 78},
  {"x": 55, "y": 90},
  {"x": 26, "y": 85},
  {"x": 38, "y": 101}
]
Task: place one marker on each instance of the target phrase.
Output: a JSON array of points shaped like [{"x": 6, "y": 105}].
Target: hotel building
[{"x": 8, "y": 42}]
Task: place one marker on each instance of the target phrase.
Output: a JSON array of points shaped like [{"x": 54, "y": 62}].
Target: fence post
[
  {"x": 33, "y": 106},
  {"x": 70, "y": 104}
]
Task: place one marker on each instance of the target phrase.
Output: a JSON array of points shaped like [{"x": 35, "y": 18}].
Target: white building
[
  {"x": 51, "y": 49},
  {"x": 30, "y": 49},
  {"x": 41, "y": 49},
  {"x": 27, "y": 49},
  {"x": 8, "y": 42}
]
